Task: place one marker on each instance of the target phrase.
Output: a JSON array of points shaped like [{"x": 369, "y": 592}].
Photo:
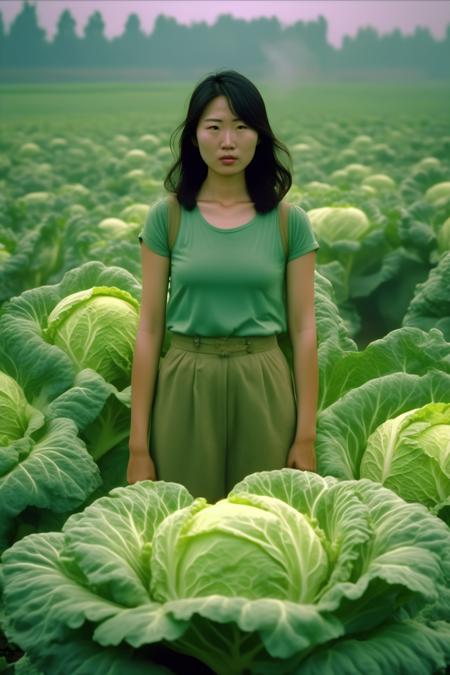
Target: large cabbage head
[
  {"x": 339, "y": 223},
  {"x": 254, "y": 547},
  {"x": 410, "y": 454},
  {"x": 291, "y": 573},
  {"x": 97, "y": 328}
]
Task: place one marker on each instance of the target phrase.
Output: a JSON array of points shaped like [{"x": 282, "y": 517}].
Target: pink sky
[{"x": 344, "y": 17}]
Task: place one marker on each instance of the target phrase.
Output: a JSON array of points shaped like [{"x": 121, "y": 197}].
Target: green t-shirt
[{"x": 227, "y": 281}]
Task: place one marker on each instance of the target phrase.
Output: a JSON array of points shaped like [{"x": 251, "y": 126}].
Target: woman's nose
[{"x": 228, "y": 137}]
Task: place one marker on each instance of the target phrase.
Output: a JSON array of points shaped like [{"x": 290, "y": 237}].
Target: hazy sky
[{"x": 344, "y": 17}]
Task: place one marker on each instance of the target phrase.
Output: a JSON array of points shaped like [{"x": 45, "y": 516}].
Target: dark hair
[{"x": 267, "y": 179}]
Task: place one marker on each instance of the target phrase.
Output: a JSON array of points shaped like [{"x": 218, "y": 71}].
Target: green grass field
[{"x": 87, "y": 104}]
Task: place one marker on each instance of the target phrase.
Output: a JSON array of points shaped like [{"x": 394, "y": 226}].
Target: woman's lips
[{"x": 228, "y": 160}]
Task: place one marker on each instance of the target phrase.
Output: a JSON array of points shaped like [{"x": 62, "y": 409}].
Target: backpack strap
[
  {"x": 283, "y": 214},
  {"x": 284, "y": 341},
  {"x": 173, "y": 219}
]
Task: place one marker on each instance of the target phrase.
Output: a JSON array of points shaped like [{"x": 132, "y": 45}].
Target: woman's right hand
[{"x": 140, "y": 467}]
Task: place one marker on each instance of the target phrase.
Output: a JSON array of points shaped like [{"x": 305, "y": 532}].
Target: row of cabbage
[
  {"x": 356, "y": 560},
  {"x": 383, "y": 222}
]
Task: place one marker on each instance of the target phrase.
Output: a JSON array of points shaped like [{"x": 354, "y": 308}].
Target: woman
[{"x": 222, "y": 401}]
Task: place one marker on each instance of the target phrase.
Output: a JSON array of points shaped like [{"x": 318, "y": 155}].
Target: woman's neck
[{"x": 226, "y": 194}]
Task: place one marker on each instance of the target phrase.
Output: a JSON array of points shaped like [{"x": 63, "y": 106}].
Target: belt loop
[
  {"x": 249, "y": 348},
  {"x": 197, "y": 341}
]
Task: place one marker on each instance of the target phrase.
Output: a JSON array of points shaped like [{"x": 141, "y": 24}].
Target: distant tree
[
  {"x": 95, "y": 45},
  {"x": 26, "y": 44},
  {"x": 261, "y": 32},
  {"x": 393, "y": 49},
  {"x": 229, "y": 44},
  {"x": 361, "y": 52},
  {"x": 163, "y": 42},
  {"x": 424, "y": 50},
  {"x": 66, "y": 45},
  {"x": 133, "y": 29},
  {"x": 132, "y": 47},
  {"x": 305, "y": 48}
]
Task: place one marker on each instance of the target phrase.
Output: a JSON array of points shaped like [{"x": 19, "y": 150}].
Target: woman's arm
[
  {"x": 149, "y": 340},
  {"x": 302, "y": 332}
]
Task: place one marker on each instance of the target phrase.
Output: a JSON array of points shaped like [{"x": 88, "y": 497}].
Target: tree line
[{"x": 260, "y": 46}]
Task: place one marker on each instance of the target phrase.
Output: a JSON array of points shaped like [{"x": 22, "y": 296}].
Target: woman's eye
[{"x": 214, "y": 126}]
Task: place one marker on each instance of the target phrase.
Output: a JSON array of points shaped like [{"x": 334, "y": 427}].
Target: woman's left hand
[{"x": 302, "y": 456}]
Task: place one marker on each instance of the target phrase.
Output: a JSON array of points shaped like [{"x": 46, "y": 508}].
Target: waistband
[{"x": 223, "y": 345}]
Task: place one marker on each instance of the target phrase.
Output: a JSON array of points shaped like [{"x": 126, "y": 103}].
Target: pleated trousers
[{"x": 223, "y": 408}]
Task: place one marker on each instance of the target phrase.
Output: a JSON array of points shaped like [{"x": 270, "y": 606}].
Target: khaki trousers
[{"x": 223, "y": 408}]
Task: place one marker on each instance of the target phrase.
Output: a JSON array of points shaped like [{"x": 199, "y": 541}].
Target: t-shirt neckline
[{"x": 225, "y": 229}]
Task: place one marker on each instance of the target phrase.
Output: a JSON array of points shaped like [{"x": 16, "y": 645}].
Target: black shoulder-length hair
[{"x": 267, "y": 179}]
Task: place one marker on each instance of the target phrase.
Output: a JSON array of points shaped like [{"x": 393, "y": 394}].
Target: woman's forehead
[{"x": 219, "y": 108}]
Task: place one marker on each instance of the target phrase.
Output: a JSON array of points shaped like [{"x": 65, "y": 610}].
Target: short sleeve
[
  {"x": 154, "y": 231},
  {"x": 301, "y": 235}
]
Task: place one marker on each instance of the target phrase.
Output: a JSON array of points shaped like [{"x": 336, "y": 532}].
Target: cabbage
[
  {"x": 115, "y": 228},
  {"x": 410, "y": 454},
  {"x": 292, "y": 573},
  {"x": 58, "y": 142},
  {"x": 356, "y": 171},
  {"x": 338, "y": 223},
  {"x": 362, "y": 143},
  {"x": 42, "y": 199},
  {"x": 29, "y": 149},
  {"x": 380, "y": 182},
  {"x": 97, "y": 328},
  {"x": 74, "y": 190},
  {"x": 437, "y": 192},
  {"x": 430, "y": 306},
  {"x": 64, "y": 426},
  {"x": 150, "y": 139},
  {"x": 429, "y": 164},
  {"x": 135, "y": 213},
  {"x": 136, "y": 156},
  {"x": 281, "y": 552}
]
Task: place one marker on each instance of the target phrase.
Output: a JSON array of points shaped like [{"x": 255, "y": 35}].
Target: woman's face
[{"x": 219, "y": 134}]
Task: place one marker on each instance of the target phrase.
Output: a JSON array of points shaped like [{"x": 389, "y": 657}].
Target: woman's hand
[
  {"x": 140, "y": 467},
  {"x": 302, "y": 456}
]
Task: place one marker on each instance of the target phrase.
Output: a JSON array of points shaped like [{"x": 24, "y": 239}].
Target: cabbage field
[{"x": 339, "y": 572}]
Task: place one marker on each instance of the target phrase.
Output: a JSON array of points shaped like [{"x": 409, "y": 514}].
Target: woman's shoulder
[
  {"x": 302, "y": 238},
  {"x": 158, "y": 207},
  {"x": 292, "y": 206}
]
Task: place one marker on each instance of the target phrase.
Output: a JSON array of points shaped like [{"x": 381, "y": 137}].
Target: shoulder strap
[
  {"x": 283, "y": 214},
  {"x": 173, "y": 220}
]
